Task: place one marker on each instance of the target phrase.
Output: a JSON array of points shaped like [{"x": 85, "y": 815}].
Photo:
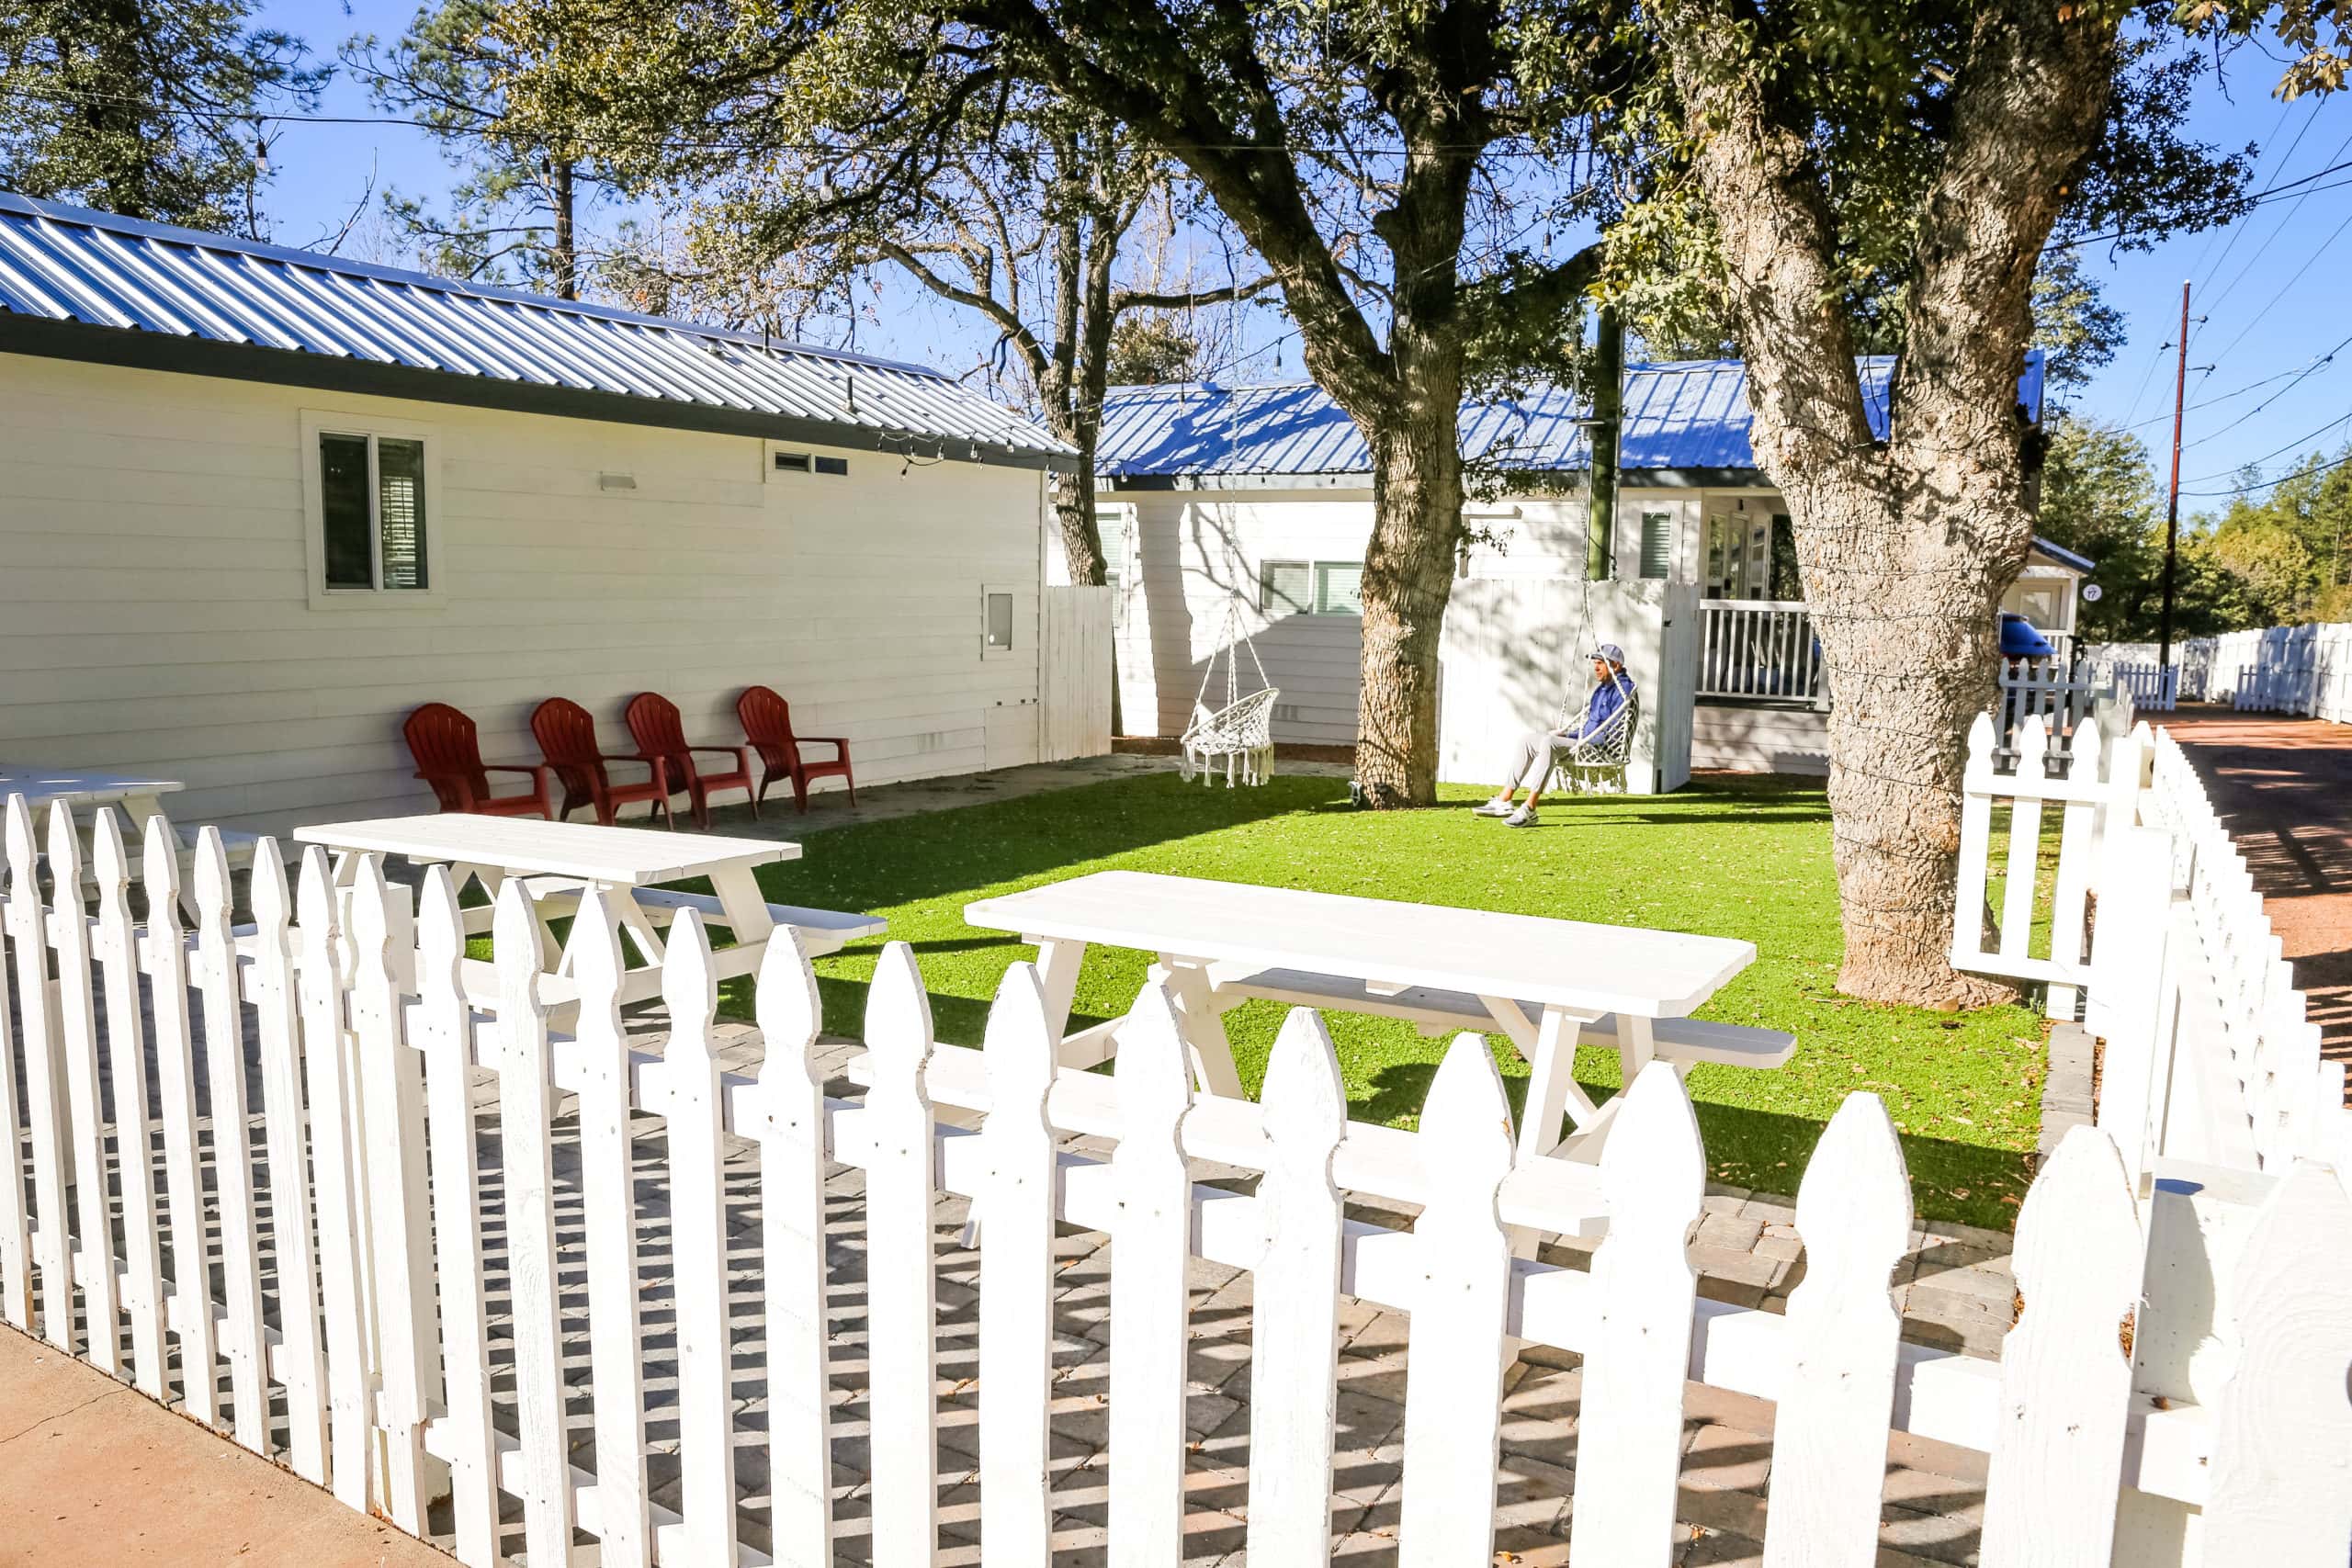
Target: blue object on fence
[{"x": 2019, "y": 639}]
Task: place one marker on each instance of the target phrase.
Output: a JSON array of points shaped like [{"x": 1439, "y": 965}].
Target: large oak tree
[{"x": 1373, "y": 156}]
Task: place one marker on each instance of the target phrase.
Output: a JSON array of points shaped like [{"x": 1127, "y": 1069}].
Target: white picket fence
[
  {"x": 409, "y": 1324},
  {"x": 2302, "y": 669},
  {"x": 2051, "y": 689},
  {"x": 2211, "y": 1050}
]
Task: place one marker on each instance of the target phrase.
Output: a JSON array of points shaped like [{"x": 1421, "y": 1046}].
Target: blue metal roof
[
  {"x": 179, "y": 298},
  {"x": 1687, "y": 415}
]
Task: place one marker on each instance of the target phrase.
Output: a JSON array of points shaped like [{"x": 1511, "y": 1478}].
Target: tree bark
[
  {"x": 1904, "y": 546},
  {"x": 1408, "y": 578}
]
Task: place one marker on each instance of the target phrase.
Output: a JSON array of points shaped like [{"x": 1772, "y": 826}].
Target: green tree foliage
[
  {"x": 513, "y": 217},
  {"x": 1376, "y": 158},
  {"x": 2077, "y": 330},
  {"x": 2099, "y": 500},
  {"x": 148, "y": 110},
  {"x": 2272, "y": 558}
]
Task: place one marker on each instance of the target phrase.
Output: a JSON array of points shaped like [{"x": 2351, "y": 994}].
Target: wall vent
[
  {"x": 792, "y": 462},
  {"x": 1286, "y": 713}
]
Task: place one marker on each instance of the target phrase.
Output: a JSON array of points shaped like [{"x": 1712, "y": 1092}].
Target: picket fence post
[
  {"x": 1017, "y": 1278},
  {"x": 1976, "y": 838},
  {"x": 444, "y": 1033},
  {"x": 77, "y": 1025},
  {"x": 2282, "y": 1447},
  {"x": 790, "y": 1127},
  {"x": 526, "y": 1110},
  {"x": 690, "y": 1079},
  {"x": 1454, "y": 1336},
  {"x": 1829, "y": 1434},
  {"x": 278, "y": 1008},
  {"x": 596, "y": 1067},
  {"x": 901, "y": 1286},
  {"x": 335, "y": 1169},
  {"x": 16, "y": 1220},
  {"x": 232, "y": 1151},
  {"x": 392, "y": 1125},
  {"x": 2057, "y": 1462},
  {"x": 166, "y": 960},
  {"x": 52, "y": 1235},
  {"x": 2025, "y": 842},
  {"x": 1294, "y": 1327},
  {"x": 1653, "y": 1174},
  {"x": 1150, "y": 1287},
  {"x": 2084, "y": 751}
]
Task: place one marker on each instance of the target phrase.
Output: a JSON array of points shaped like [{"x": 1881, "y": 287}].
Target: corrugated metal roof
[
  {"x": 70, "y": 264},
  {"x": 1687, "y": 415}
]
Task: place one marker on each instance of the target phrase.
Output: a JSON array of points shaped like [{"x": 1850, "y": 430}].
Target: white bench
[{"x": 1684, "y": 1042}]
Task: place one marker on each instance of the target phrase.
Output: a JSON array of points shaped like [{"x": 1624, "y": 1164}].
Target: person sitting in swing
[{"x": 1531, "y": 763}]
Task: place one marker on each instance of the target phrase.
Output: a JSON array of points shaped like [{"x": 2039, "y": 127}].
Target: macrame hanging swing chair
[{"x": 1240, "y": 733}]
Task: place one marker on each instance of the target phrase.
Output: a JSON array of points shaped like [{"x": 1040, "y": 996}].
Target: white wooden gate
[
  {"x": 1074, "y": 672},
  {"x": 410, "y": 1339}
]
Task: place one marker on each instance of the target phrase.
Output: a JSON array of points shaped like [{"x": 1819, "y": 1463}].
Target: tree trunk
[
  {"x": 1906, "y": 619},
  {"x": 1407, "y": 577},
  {"x": 1904, "y": 544},
  {"x": 566, "y": 250}
]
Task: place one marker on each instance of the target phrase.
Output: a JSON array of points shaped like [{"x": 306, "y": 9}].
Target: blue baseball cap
[{"x": 1612, "y": 652}]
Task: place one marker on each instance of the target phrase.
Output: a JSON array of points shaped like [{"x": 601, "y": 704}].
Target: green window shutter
[
  {"x": 1285, "y": 588},
  {"x": 1657, "y": 544},
  {"x": 1339, "y": 588}
]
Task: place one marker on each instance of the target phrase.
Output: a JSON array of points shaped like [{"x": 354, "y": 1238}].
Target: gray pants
[{"x": 1531, "y": 763}]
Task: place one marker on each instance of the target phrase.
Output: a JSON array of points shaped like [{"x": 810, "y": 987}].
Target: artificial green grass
[{"x": 1745, "y": 858}]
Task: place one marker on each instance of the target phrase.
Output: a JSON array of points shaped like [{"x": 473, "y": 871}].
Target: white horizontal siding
[{"x": 155, "y": 610}]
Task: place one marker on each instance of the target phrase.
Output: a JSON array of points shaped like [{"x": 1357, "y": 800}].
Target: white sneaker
[
  {"x": 1493, "y": 809},
  {"x": 1522, "y": 817}
]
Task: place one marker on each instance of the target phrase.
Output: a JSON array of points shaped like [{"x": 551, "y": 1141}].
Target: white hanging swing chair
[
  {"x": 1596, "y": 765},
  {"x": 1239, "y": 734}
]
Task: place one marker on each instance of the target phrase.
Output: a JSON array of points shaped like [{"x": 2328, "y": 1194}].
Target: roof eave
[{"x": 95, "y": 345}]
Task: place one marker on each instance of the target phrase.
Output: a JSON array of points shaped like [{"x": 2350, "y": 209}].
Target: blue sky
[{"x": 2272, "y": 289}]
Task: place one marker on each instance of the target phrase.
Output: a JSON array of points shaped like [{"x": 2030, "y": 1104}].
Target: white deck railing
[
  {"x": 370, "y": 1241},
  {"x": 1759, "y": 647}
]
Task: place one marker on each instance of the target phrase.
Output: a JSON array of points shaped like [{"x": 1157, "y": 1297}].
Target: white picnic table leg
[
  {"x": 1058, "y": 960},
  {"x": 1550, "y": 1047},
  {"x": 1203, "y": 1025},
  {"x": 744, "y": 907}
]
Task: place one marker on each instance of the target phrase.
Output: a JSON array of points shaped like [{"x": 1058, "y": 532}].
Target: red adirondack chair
[
  {"x": 449, "y": 756},
  {"x": 567, "y": 737},
  {"x": 767, "y": 724},
  {"x": 653, "y": 721}
]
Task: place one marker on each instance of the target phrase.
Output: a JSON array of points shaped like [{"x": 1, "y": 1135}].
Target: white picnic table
[
  {"x": 138, "y": 796},
  {"x": 1546, "y": 983},
  {"x": 559, "y": 861}
]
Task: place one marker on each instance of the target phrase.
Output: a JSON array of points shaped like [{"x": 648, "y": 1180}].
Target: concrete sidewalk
[
  {"x": 94, "y": 1471},
  {"x": 2283, "y": 787}
]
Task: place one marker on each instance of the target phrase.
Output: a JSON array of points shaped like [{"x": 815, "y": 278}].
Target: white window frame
[
  {"x": 317, "y": 423},
  {"x": 987, "y": 592},
  {"x": 1314, "y": 566}
]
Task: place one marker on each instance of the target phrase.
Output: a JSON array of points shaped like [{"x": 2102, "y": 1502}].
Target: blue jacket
[{"x": 1607, "y": 697}]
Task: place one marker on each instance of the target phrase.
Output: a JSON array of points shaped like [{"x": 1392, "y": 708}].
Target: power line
[
  {"x": 719, "y": 144},
  {"x": 2299, "y": 377},
  {"x": 2329, "y": 466},
  {"x": 2283, "y": 288},
  {"x": 2237, "y": 229},
  {"x": 2260, "y": 198},
  {"x": 2255, "y": 462}
]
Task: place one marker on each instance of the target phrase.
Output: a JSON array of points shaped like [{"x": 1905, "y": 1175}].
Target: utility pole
[{"x": 2172, "y": 507}]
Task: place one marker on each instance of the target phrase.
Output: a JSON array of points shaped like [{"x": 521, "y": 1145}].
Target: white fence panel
[
  {"x": 407, "y": 1353},
  {"x": 1074, "y": 672}
]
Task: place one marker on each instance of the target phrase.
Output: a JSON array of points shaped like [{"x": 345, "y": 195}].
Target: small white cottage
[
  {"x": 257, "y": 504},
  {"x": 1256, "y": 503}
]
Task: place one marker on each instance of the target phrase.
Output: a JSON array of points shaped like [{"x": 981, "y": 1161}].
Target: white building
[
  {"x": 1259, "y": 498},
  {"x": 257, "y": 504}
]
